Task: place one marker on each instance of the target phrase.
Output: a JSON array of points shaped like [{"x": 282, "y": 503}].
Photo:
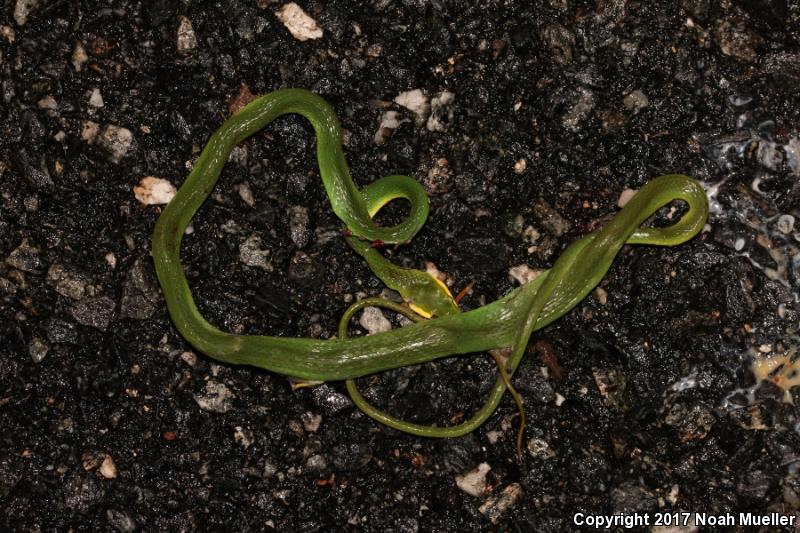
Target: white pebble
[
  {"x": 38, "y": 349},
  {"x": 154, "y": 191},
  {"x": 246, "y": 194},
  {"x": 8, "y": 34},
  {"x": 373, "y": 321},
  {"x": 111, "y": 260},
  {"x": 95, "y": 98},
  {"x": 243, "y": 436},
  {"x": 89, "y": 131},
  {"x": 48, "y": 102},
  {"x": 187, "y": 40},
  {"x": 311, "y": 421},
  {"x": 474, "y": 481},
  {"x": 625, "y": 197},
  {"x": 79, "y": 56},
  {"x": 416, "y": 101},
  {"x": 786, "y": 224},
  {"x": 300, "y": 25},
  {"x": 215, "y": 398},
  {"x": 523, "y": 274},
  {"x": 108, "y": 469},
  {"x": 388, "y": 123},
  {"x": 636, "y": 100},
  {"x": 251, "y": 253},
  {"x": 739, "y": 244},
  {"x": 117, "y": 141},
  {"x": 189, "y": 358},
  {"x": 22, "y": 9},
  {"x": 540, "y": 449}
]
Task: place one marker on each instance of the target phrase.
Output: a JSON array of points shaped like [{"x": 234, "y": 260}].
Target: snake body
[{"x": 507, "y": 322}]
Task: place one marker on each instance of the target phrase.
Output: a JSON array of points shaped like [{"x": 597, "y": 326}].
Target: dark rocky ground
[{"x": 110, "y": 422}]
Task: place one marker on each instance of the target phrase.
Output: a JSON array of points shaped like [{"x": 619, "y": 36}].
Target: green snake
[{"x": 506, "y": 323}]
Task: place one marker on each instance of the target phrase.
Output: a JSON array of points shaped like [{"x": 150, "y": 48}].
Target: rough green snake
[{"x": 504, "y": 324}]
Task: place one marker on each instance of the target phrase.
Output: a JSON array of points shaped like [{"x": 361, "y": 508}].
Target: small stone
[
  {"x": 79, "y": 56},
  {"x": 530, "y": 235},
  {"x": 311, "y": 421},
  {"x": 388, "y": 123},
  {"x": 299, "y": 231},
  {"x": 8, "y": 33},
  {"x": 66, "y": 283},
  {"x": 108, "y": 469},
  {"x": 329, "y": 399},
  {"x": 96, "y": 99},
  {"x": 474, "y": 481},
  {"x": 523, "y": 274},
  {"x": 116, "y": 141},
  {"x": 785, "y": 224},
  {"x": 415, "y": 101},
  {"x": 373, "y": 321},
  {"x": 601, "y": 295},
  {"x": 48, "y": 102},
  {"x": 25, "y": 257},
  {"x": 243, "y": 437},
  {"x": 189, "y": 358},
  {"x": 300, "y": 25},
  {"x": 187, "y": 40},
  {"x": 540, "y": 449},
  {"x": 625, "y": 197},
  {"x": 215, "y": 398},
  {"x": 22, "y": 9},
  {"x": 520, "y": 166},
  {"x": 154, "y": 191},
  {"x": 94, "y": 312},
  {"x": 635, "y": 100},
  {"x": 38, "y": 349},
  {"x": 89, "y": 131},
  {"x": 246, "y": 194},
  {"x": 495, "y": 506},
  {"x": 251, "y": 254},
  {"x": 316, "y": 462}
]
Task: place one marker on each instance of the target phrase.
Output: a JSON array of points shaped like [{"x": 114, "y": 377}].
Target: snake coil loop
[{"x": 507, "y": 322}]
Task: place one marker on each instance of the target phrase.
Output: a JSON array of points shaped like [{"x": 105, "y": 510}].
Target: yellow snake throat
[{"x": 507, "y": 322}]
